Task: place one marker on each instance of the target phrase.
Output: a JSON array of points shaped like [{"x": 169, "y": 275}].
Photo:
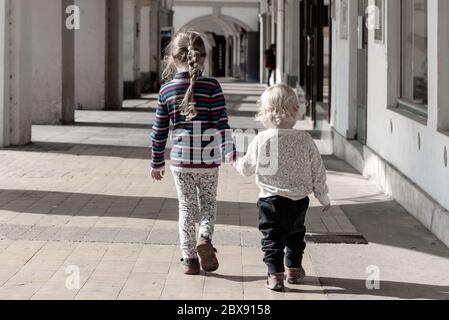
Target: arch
[
  {"x": 228, "y": 23},
  {"x": 222, "y": 25}
]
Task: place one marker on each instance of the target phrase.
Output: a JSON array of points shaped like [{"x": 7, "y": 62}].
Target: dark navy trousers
[{"x": 281, "y": 221}]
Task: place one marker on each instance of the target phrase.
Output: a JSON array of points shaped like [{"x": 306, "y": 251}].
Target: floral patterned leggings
[{"x": 197, "y": 195}]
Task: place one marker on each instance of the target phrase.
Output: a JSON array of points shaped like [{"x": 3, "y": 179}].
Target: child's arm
[
  {"x": 159, "y": 138},
  {"x": 247, "y": 165},
  {"x": 319, "y": 177},
  {"x": 218, "y": 102}
]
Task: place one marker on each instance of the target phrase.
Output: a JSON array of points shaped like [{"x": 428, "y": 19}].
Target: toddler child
[{"x": 288, "y": 168}]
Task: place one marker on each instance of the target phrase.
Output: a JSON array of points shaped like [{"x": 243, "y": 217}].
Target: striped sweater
[{"x": 198, "y": 144}]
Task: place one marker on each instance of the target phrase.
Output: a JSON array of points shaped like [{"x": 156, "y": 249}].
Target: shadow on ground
[
  {"x": 381, "y": 222},
  {"x": 390, "y": 289}
]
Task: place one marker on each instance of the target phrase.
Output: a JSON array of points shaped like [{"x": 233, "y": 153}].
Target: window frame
[{"x": 405, "y": 104}]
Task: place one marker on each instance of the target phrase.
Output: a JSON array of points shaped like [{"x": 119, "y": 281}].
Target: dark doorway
[
  {"x": 315, "y": 55},
  {"x": 253, "y": 61}
]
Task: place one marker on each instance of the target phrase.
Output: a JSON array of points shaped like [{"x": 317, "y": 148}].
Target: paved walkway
[{"x": 80, "y": 201}]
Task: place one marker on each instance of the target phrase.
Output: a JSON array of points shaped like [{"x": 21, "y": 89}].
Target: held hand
[
  {"x": 327, "y": 208},
  {"x": 157, "y": 175}
]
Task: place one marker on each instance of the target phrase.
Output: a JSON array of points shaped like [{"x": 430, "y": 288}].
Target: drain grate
[{"x": 336, "y": 238}]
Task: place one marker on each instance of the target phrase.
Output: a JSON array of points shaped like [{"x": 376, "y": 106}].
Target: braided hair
[{"x": 187, "y": 48}]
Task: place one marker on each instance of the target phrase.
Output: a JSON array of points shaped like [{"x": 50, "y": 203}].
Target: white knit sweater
[{"x": 286, "y": 163}]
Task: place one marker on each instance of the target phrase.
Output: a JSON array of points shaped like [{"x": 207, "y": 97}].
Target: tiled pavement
[
  {"x": 105, "y": 215},
  {"x": 80, "y": 200}
]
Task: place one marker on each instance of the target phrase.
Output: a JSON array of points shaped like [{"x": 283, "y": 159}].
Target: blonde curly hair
[
  {"x": 187, "y": 48},
  {"x": 279, "y": 105}
]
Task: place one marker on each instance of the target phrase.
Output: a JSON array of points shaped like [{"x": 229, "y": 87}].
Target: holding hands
[{"x": 157, "y": 175}]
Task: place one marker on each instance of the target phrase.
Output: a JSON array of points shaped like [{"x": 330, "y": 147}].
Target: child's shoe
[
  {"x": 190, "y": 266},
  {"x": 295, "y": 275},
  {"x": 207, "y": 255},
  {"x": 275, "y": 282}
]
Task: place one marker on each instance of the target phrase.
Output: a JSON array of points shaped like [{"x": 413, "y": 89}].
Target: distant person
[
  {"x": 288, "y": 168},
  {"x": 270, "y": 62},
  {"x": 192, "y": 103}
]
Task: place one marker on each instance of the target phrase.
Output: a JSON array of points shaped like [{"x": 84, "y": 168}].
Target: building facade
[
  {"x": 375, "y": 76},
  {"x": 373, "y": 73},
  {"x": 389, "y": 93}
]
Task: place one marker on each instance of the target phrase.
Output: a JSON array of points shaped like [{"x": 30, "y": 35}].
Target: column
[
  {"x": 439, "y": 50},
  {"x": 52, "y": 56},
  {"x": 91, "y": 55},
  {"x": 227, "y": 58},
  {"x": 238, "y": 71},
  {"x": 15, "y": 72},
  {"x": 280, "y": 41},
  {"x": 53, "y": 63},
  {"x": 263, "y": 45},
  {"x": 114, "y": 66},
  {"x": 154, "y": 45},
  {"x": 145, "y": 57},
  {"x": 273, "y": 22},
  {"x": 291, "y": 53},
  {"x": 131, "y": 49}
]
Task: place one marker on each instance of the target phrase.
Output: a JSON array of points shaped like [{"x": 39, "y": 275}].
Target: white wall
[
  {"x": 344, "y": 82},
  {"x": 399, "y": 147},
  {"x": 426, "y": 166},
  {"x": 90, "y": 55}
]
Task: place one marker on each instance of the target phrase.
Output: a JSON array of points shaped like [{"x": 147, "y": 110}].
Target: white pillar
[
  {"x": 280, "y": 41},
  {"x": 154, "y": 38},
  {"x": 227, "y": 60},
  {"x": 15, "y": 72},
  {"x": 262, "y": 30},
  {"x": 273, "y": 22},
  {"x": 4, "y": 74},
  {"x": 145, "y": 57},
  {"x": 439, "y": 50},
  {"x": 131, "y": 48},
  {"x": 53, "y": 67},
  {"x": 238, "y": 56},
  {"x": 91, "y": 55}
]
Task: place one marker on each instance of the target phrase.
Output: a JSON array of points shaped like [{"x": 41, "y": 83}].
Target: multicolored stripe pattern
[{"x": 197, "y": 144}]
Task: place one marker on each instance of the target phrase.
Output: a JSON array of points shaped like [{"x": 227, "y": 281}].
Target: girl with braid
[{"x": 195, "y": 107}]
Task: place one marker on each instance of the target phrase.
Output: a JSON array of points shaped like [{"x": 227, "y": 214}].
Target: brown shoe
[
  {"x": 208, "y": 258},
  {"x": 275, "y": 282},
  {"x": 190, "y": 266},
  {"x": 295, "y": 275}
]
